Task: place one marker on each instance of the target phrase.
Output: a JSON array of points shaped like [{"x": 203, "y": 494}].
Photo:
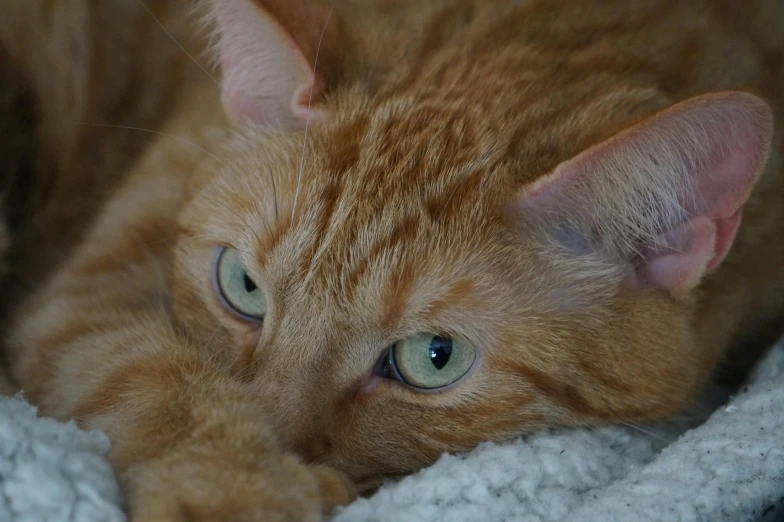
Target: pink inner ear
[
  {"x": 704, "y": 241},
  {"x": 709, "y": 152},
  {"x": 691, "y": 250},
  {"x": 267, "y": 80}
]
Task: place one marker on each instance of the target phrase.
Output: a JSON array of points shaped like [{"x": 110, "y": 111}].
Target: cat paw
[
  {"x": 335, "y": 488},
  {"x": 277, "y": 488}
]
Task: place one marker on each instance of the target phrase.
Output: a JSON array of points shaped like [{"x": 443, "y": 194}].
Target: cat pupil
[
  {"x": 440, "y": 350},
  {"x": 250, "y": 286}
]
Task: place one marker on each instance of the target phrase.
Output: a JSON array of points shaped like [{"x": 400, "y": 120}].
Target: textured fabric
[
  {"x": 53, "y": 472},
  {"x": 731, "y": 468}
]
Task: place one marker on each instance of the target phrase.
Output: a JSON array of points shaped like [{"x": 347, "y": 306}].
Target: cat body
[{"x": 552, "y": 187}]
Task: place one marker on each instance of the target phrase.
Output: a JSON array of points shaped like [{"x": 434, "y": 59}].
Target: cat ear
[
  {"x": 275, "y": 57},
  {"x": 664, "y": 198}
]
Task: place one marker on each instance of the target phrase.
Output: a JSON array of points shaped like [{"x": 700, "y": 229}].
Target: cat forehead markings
[
  {"x": 373, "y": 186},
  {"x": 405, "y": 136}
]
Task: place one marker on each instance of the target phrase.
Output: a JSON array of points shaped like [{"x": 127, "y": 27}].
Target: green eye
[
  {"x": 429, "y": 361},
  {"x": 238, "y": 290}
]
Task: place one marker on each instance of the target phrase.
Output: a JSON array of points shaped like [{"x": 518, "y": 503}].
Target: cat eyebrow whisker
[
  {"x": 150, "y": 131},
  {"x": 244, "y": 222},
  {"x": 274, "y": 191},
  {"x": 173, "y": 39},
  {"x": 307, "y": 121},
  {"x": 257, "y": 211}
]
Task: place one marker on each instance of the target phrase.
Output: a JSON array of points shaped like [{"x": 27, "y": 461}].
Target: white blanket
[
  {"x": 730, "y": 468},
  {"x": 53, "y": 472}
]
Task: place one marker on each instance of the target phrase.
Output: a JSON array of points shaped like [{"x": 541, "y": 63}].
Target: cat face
[
  {"x": 388, "y": 312},
  {"x": 360, "y": 282},
  {"x": 391, "y": 290}
]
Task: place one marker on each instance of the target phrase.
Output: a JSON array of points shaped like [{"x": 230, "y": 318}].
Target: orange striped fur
[{"x": 388, "y": 218}]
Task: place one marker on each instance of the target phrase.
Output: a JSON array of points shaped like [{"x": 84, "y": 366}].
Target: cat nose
[{"x": 301, "y": 419}]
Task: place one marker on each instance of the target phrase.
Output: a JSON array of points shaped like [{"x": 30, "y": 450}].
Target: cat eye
[
  {"x": 429, "y": 362},
  {"x": 238, "y": 291}
]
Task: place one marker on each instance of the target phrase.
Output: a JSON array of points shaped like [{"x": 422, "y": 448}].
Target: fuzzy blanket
[{"x": 729, "y": 468}]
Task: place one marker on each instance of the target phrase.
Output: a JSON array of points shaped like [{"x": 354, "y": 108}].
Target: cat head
[{"x": 400, "y": 267}]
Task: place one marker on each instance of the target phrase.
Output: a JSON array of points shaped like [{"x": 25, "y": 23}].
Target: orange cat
[{"x": 386, "y": 230}]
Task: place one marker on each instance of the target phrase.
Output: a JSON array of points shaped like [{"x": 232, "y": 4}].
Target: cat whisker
[
  {"x": 644, "y": 431},
  {"x": 307, "y": 121},
  {"x": 173, "y": 39},
  {"x": 257, "y": 210},
  {"x": 274, "y": 191},
  {"x": 247, "y": 225},
  {"x": 214, "y": 354},
  {"x": 245, "y": 371},
  {"x": 158, "y": 133}
]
